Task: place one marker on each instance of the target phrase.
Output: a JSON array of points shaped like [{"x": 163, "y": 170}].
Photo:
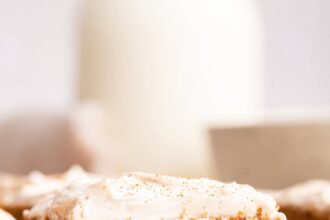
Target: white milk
[{"x": 167, "y": 70}]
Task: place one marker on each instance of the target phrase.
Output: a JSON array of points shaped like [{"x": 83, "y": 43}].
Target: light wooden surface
[{"x": 272, "y": 156}]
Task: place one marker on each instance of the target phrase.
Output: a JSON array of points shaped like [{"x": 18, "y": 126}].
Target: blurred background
[{"x": 230, "y": 89}]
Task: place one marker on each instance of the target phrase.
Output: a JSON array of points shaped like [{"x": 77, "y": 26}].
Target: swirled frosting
[
  {"x": 140, "y": 196},
  {"x": 25, "y": 191},
  {"x": 313, "y": 195}
]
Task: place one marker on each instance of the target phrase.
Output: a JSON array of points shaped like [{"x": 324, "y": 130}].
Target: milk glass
[{"x": 169, "y": 70}]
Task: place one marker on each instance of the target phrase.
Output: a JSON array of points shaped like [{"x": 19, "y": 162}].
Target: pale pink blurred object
[{"x": 51, "y": 142}]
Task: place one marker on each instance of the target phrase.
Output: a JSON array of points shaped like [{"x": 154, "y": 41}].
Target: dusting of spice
[{"x": 142, "y": 196}]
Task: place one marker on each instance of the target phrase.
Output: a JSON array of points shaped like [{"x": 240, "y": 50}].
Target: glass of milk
[{"x": 168, "y": 70}]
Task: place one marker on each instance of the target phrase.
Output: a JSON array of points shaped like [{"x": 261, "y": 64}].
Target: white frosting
[
  {"x": 5, "y": 215},
  {"x": 25, "y": 191},
  {"x": 141, "y": 196},
  {"x": 313, "y": 194}
]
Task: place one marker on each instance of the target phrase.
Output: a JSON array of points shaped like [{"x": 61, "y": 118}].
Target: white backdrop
[
  {"x": 297, "y": 57},
  {"x": 38, "y": 54}
]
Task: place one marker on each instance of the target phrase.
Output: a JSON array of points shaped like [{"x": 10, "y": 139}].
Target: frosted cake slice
[
  {"x": 306, "y": 201},
  {"x": 140, "y": 196},
  {"x": 18, "y": 193}
]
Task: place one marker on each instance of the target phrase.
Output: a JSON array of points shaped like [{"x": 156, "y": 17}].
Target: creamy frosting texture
[
  {"x": 313, "y": 194},
  {"x": 140, "y": 196},
  {"x": 5, "y": 216},
  {"x": 25, "y": 191}
]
